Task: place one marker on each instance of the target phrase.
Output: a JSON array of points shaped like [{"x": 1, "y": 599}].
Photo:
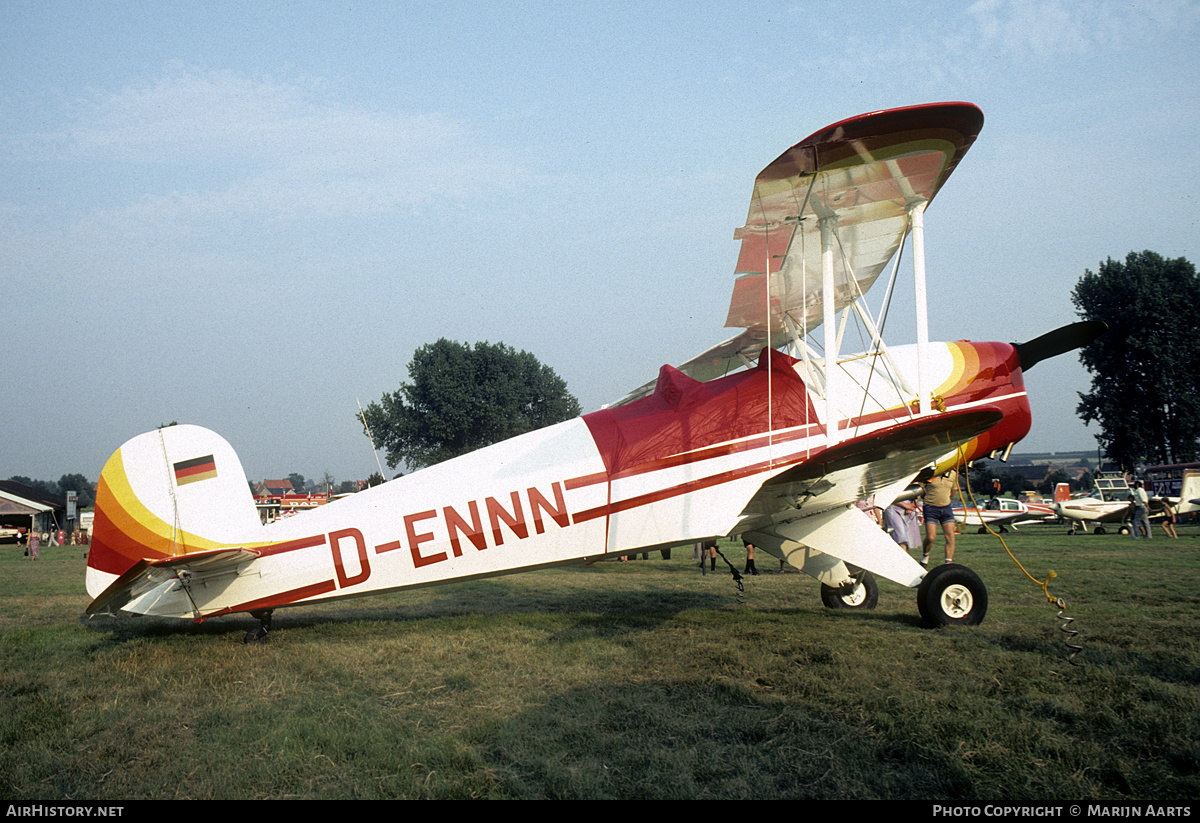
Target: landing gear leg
[{"x": 259, "y": 635}]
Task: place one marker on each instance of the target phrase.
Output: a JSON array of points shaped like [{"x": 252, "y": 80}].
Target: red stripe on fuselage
[{"x": 275, "y": 600}]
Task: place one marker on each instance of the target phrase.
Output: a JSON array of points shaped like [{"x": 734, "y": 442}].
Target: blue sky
[{"x": 248, "y": 216}]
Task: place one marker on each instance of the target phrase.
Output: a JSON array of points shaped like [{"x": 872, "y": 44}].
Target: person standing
[
  {"x": 937, "y": 512},
  {"x": 900, "y": 518},
  {"x": 1168, "y": 523},
  {"x": 1141, "y": 511},
  {"x": 750, "y": 567}
]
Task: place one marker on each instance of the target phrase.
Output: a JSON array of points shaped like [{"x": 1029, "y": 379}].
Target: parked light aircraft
[
  {"x": 998, "y": 513},
  {"x": 1178, "y": 484},
  {"x": 1108, "y": 505},
  {"x": 746, "y": 440}
]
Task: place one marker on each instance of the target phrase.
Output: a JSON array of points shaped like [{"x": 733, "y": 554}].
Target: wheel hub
[
  {"x": 956, "y": 600},
  {"x": 855, "y": 595}
]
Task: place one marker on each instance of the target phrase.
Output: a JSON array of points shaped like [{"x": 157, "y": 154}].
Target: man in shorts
[{"x": 938, "y": 512}]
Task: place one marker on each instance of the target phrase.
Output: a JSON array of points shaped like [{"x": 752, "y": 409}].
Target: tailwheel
[
  {"x": 952, "y": 595},
  {"x": 863, "y": 593},
  {"x": 259, "y": 634}
]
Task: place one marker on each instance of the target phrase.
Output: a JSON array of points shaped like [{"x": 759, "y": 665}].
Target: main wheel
[
  {"x": 952, "y": 595},
  {"x": 864, "y": 594}
]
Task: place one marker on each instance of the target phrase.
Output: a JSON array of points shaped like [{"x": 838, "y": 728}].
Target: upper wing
[
  {"x": 861, "y": 177},
  {"x": 864, "y": 174}
]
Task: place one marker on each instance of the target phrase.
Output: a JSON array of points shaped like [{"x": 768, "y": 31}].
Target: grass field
[{"x": 643, "y": 679}]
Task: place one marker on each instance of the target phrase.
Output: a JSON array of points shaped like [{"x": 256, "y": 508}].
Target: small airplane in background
[
  {"x": 1108, "y": 505},
  {"x": 771, "y": 436},
  {"x": 1177, "y": 484},
  {"x": 1000, "y": 512}
]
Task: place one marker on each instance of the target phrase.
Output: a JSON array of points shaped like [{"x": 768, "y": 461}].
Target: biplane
[{"x": 771, "y": 436}]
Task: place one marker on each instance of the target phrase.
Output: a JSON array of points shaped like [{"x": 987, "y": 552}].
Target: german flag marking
[{"x": 195, "y": 470}]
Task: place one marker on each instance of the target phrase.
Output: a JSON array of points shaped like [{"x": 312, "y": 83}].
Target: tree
[
  {"x": 462, "y": 399},
  {"x": 298, "y": 482},
  {"x": 84, "y": 489},
  {"x": 48, "y": 486},
  {"x": 984, "y": 475},
  {"x": 1050, "y": 482},
  {"x": 1146, "y": 369}
]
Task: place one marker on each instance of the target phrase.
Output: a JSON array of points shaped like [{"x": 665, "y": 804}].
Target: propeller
[{"x": 1059, "y": 341}]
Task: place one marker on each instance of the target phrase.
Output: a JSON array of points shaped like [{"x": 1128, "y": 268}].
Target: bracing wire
[{"x": 370, "y": 437}]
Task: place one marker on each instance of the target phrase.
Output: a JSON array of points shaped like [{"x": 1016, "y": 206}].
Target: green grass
[{"x": 622, "y": 680}]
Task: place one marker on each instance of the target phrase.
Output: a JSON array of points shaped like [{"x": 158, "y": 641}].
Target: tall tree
[
  {"x": 462, "y": 398},
  {"x": 1146, "y": 369}
]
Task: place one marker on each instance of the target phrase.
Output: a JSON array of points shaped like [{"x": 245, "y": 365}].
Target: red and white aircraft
[
  {"x": 743, "y": 441},
  {"x": 1108, "y": 505},
  {"x": 998, "y": 513}
]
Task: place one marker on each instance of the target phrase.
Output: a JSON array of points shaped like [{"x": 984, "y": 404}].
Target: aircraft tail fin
[
  {"x": 168, "y": 493},
  {"x": 1062, "y": 493}
]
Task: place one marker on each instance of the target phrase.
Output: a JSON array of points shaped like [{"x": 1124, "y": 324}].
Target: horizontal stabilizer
[{"x": 172, "y": 575}]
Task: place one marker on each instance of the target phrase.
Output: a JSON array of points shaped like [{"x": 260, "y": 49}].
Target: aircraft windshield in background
[
  {"x": 1108, "y": 505},
  {"x": 771, "y": 436}
]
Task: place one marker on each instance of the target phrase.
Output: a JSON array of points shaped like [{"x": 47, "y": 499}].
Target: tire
[
  {"x": 952, "y": 595},
  {"x": 1101, "y": 530},
  {"x": 258, "y": 635},
  {"x": 864, "y": 594}
]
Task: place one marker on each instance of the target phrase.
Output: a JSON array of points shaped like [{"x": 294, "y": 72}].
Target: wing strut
[
  {"x": 917, "y": 215},
  {"x": 828, "y": 238}
]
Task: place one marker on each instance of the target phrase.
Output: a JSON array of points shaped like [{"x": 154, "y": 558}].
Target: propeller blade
[{"x": 1059, "y": 341}]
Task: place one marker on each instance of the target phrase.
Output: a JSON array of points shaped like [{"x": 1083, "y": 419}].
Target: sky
[{"x": 248, "y": 216}]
